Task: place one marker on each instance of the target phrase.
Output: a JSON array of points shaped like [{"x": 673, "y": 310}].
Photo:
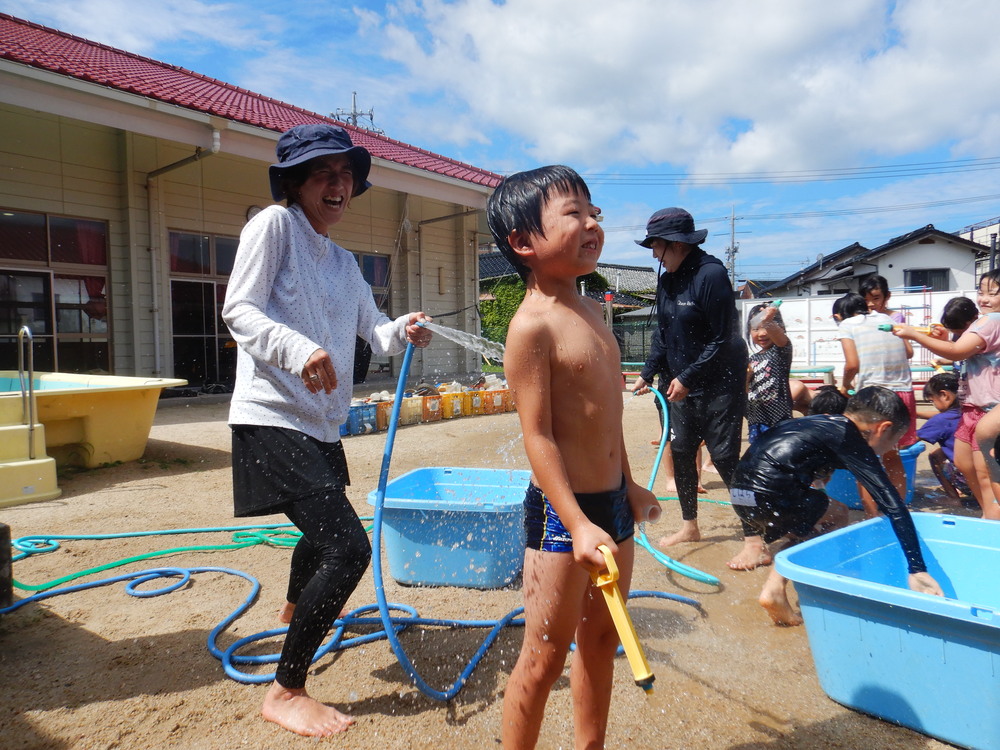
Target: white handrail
[{"x": 27, "y": 394}]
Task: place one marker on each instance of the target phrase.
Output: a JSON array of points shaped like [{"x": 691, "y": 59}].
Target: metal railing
[{"x": 27, "y": 391}]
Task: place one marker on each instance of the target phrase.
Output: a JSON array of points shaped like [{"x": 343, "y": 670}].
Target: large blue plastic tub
[
  {"x": 455, "y": 527},
  {"x": 844, "y": 487},
  {"x": 924, "y": 662}
]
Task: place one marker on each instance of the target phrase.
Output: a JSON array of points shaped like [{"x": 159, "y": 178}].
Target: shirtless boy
[
  {"x": 563, "y": 365},
  {"x": 772, "y": 488}
]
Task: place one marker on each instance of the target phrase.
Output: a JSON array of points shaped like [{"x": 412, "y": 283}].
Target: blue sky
[{"x": 817, "y": 124}]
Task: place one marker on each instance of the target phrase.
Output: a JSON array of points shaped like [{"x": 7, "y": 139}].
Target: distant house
[
  {"x": 926, "y": 258},
  {"x": 125, "y": 183},
  {"x": 631, "y": 287}
]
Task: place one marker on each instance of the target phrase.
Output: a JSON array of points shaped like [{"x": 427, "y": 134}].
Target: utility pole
[
  {"x": 354, "y": 114},
  {"x": 732, "y": 249}
]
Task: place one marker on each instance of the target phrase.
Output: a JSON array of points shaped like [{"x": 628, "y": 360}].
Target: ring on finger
[{"x": 314, "y": 376}]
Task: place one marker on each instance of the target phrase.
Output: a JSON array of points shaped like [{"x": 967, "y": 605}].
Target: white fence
[{"x": 813, "y": 333}]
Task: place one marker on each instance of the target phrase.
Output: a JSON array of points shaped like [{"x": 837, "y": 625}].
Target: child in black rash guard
[{"x": 772, "y": 487}]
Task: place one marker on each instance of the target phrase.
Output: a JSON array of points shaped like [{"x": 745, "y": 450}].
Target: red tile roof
[{"x": 49, "y": 49}]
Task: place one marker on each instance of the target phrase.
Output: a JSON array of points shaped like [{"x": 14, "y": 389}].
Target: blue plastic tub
[
  {"x": 844, "y": 487},
  {"x": 928, "y": 663},
  {"x": 445, "y": 526}
]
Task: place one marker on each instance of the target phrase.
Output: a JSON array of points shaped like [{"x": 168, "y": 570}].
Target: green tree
[
  {"x": 496, "y": 313},
  {"x": 507, "y": 294}
]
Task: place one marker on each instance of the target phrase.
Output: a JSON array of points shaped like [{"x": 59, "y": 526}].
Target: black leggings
[
  {"x": 327, "y": 565},
  {"x": 715, "y": 417}
]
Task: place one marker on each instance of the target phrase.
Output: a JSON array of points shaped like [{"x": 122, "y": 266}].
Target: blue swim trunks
[{"x": 545, "y": 531}]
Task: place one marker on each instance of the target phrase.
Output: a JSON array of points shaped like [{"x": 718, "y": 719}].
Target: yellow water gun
[{"x": 606, "y": 581}]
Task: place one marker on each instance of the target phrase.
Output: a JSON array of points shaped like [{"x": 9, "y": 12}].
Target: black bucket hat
[
  {"x": 305, "y": 142},
  {"x": 672, "y": 225}
]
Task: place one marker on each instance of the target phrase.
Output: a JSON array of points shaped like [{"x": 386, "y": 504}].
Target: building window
[
  {"x": 931, "y": 279},
  {"x": 375, "y": 269},
  {"x": 56, "y": 284},
  {"x": 204, "y": 351}
]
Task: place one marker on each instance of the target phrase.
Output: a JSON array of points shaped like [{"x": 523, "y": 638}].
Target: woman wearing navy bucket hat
[
  {"x": 295, "y": 304},
  {"x": 697, "y": 351}
]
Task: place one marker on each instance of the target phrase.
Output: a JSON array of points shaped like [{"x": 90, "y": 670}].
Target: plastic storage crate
[
  {"x": 928, "y": 663},
  {"x": 445, "y": 526},
  {"x": 361, "y": 419}
]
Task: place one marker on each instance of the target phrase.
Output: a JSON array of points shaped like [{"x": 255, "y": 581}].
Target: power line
[
  {"x": 836, "y": 174},
  {"x": 837, "y": 212}
]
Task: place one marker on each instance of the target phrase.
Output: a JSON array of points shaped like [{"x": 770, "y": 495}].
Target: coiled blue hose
[{"x": 392, "y": 625}]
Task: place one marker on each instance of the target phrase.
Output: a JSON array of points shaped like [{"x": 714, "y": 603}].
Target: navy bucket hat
[
  {"x": 304, "y": 142},
  {"x": 672, "y": 225}
]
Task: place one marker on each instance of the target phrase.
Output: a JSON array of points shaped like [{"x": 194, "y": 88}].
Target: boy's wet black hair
[
  {"x": 943, "y": 381},
  {"x": 959, "y": 313},
  {"x": 850, "y": 305},
  {"x": 827, "y": 400},
  {"x": 871, "y": 283},
  {"x": 878, "y": 404},
  {"x": 517, "y": 204},
  {"x": 756, "y": 309}
]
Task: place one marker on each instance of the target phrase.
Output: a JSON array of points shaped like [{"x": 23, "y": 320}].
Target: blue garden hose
[
  {"x": 392, "y": 625},
  {"x": 640, "y": 536}
]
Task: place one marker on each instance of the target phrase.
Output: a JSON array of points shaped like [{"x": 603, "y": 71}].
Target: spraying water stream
[{"x": 490, "y": 349}]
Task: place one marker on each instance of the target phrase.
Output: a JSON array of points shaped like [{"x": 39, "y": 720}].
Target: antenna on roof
[{"x": 354, "y": 115}]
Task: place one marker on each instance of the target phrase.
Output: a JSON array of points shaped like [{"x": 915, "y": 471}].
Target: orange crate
[
  {"x": 451, "y": 405},
  {"x": 493, "y": 402},
  {"x": 383, "y": 410},
  {"x": 431, "y": 408},
  {"x": 478, "y": 402},
  {"x": 411, "y": 411}
]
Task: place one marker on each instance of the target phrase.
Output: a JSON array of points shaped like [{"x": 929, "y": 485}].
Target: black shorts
[
  {"x": 273, "y": 466},
  {"x": 771, "y": 516},
  {"x": 544, "y": 530}
]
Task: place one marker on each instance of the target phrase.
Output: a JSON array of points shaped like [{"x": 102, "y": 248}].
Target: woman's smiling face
[{"x": 326, "y": 193}]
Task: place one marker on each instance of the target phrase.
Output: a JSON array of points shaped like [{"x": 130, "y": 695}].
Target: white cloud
[
  {"x": 141, "y": 26},
  {"x": 808, "y": 84}
]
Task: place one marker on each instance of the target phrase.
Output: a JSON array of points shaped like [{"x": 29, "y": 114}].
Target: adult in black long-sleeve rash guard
[
  {"x": 778, "y": 469},
  {"x": 696, "y": 344}
]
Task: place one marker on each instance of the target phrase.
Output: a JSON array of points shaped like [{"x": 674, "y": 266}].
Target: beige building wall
[{"x": 57, "y": 165}]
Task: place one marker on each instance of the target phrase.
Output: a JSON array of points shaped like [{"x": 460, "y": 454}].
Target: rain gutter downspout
[{"x": 199, "y": 153}]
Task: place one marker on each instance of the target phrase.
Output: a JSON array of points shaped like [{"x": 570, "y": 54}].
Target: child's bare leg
[
  {"x": 554, "y": 587},
  {"x": 593, "y": 667},
  {"x": 966, "y": 464},
  {"x": 296, "y": 711},
  {"x": 893, "y": 464},
  {"x": 988, "y": 502},
  {"x": 667, "y": 463},
  {"x": 869, "y": 505},
  {"x": 774, "y": 599},
  {"x": 937, "y": 461},
  {"x": 753, "y": 555}
]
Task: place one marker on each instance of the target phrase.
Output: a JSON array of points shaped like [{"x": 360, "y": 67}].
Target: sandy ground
[{"x": 102, "y": 669}]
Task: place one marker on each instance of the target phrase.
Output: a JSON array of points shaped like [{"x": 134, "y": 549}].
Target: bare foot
[
  {"x": 780, "y": 610},
  {"x": 297, "y": 712},
  {"x": 702, "y": 490},
  {"x": 688, "y": 532},
  {"x": 753, "y": 555}
]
